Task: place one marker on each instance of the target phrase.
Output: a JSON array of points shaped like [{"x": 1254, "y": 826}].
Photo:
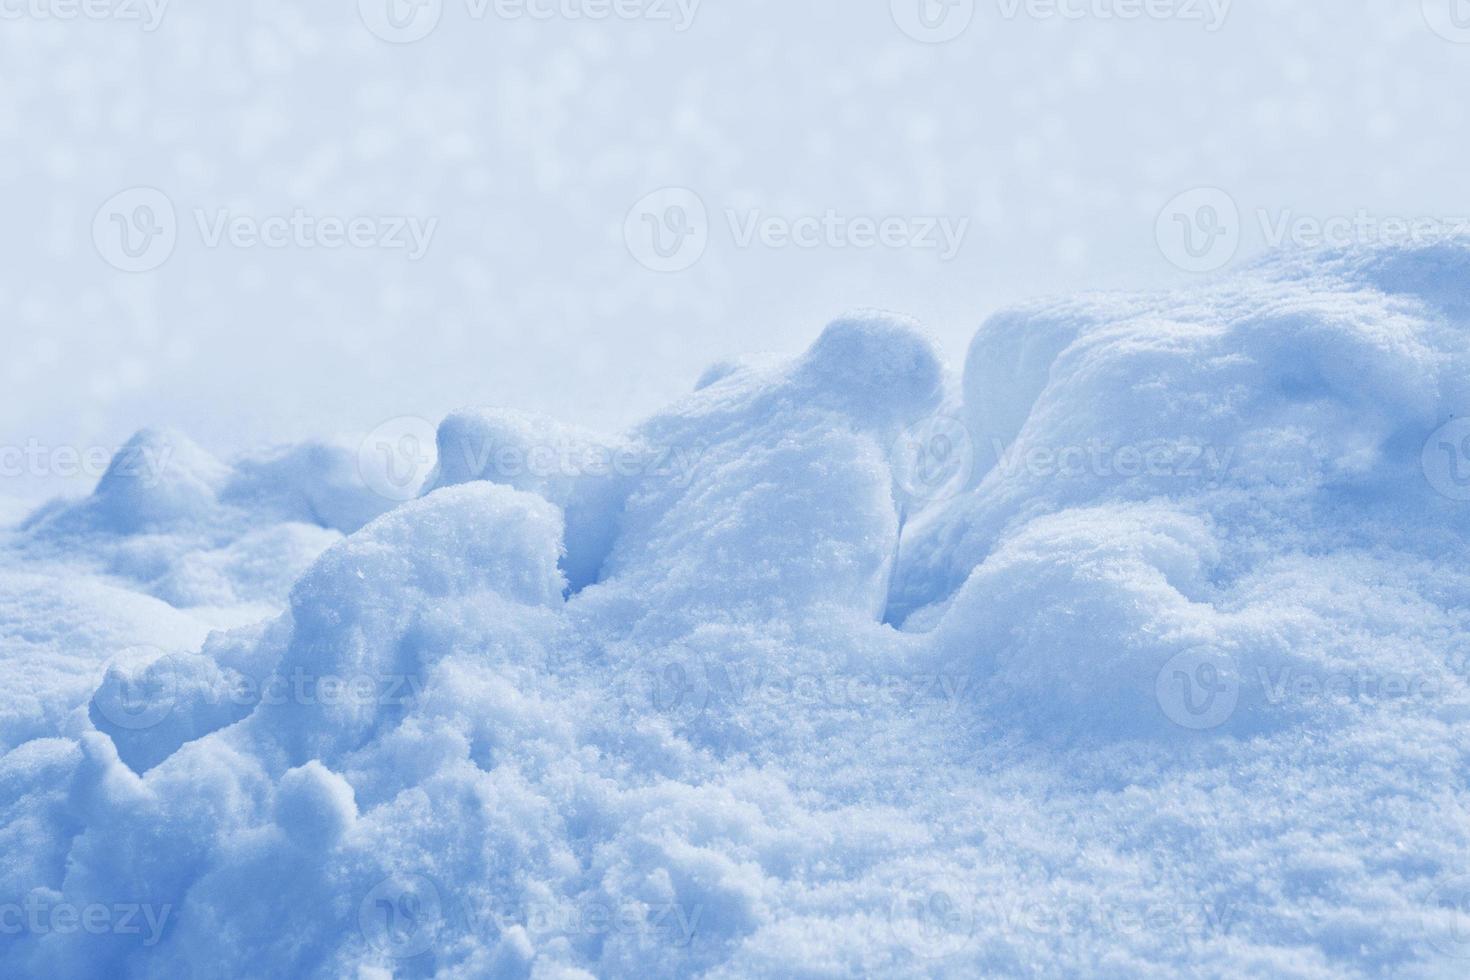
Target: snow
[{"x": 1137, "y": 648}]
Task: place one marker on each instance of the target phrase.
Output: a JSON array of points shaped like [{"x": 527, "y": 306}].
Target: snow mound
[
  {"x": 1139, "y": 649},
  {"x": 224, "y": 540}
]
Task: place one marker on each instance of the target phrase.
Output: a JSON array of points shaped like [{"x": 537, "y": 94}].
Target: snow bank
[
  {"x": 1137, "y": 650},
  {"x": 224, "y": 540}
]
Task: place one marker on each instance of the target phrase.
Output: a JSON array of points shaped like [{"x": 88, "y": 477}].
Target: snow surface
[{"x": 1137, "y": 650}]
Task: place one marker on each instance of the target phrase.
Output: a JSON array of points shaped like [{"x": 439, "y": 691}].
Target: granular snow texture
[{"x": 1139, "y": 649}]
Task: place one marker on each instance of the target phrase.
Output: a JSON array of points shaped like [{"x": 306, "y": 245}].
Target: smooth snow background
[{"x": 531, "y": 140}]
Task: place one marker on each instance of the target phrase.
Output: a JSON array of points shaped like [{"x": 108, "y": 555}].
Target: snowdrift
[{"x": 1138, "y": 649}]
